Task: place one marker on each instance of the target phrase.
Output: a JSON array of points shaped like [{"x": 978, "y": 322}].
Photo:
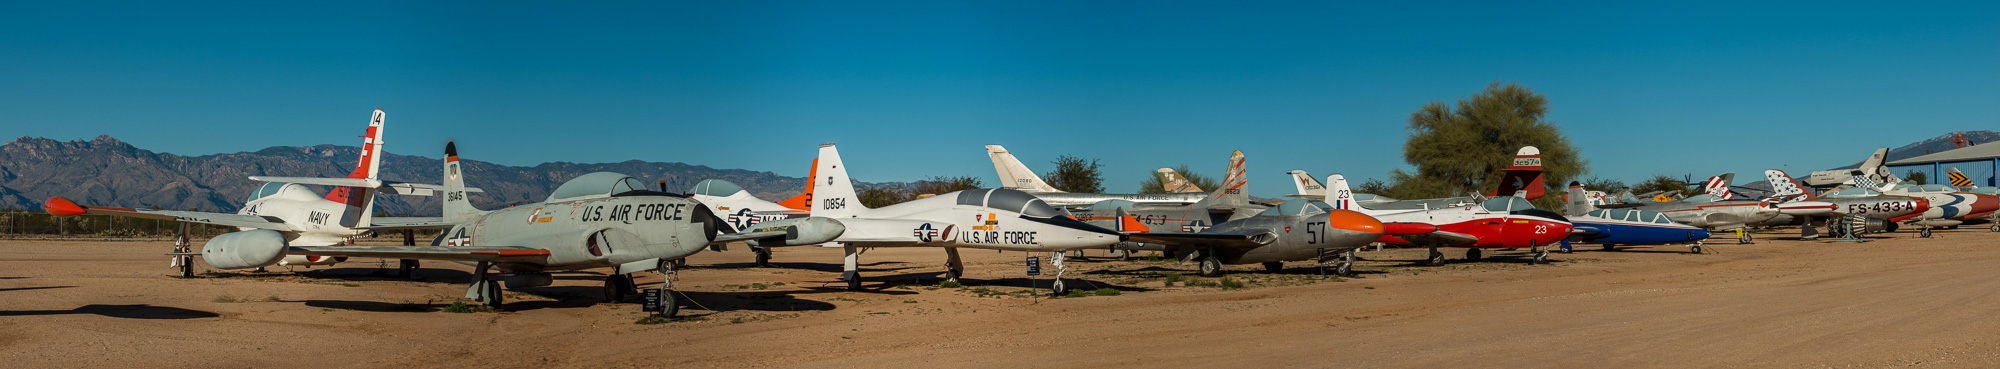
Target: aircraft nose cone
[
  {"x": 1354, "y": 221},
  {"x": 1983, "y": 203}
]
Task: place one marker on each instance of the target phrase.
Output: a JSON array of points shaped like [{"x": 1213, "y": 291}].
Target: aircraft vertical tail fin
[
  {"x": 1338, "y": 195},
  {"x": 1126, "y": 223},
  {"x": 1577, "y": 200},
  {"x": 834, "y": 193},
  {"x": 1958, "y": 179},
  {"x": 360, "y": 201},
  {"x": 1172, "y": 181},
  {"x": 1719, "y": 186},
  {"x": 804, "y": 200},
  {"x": 1234, "y": 188},
  {"x": 1783, "y": 185},
  {"x": 1873, "y": 166},
  {"x": 1524, "y": 177},
  {"x": 1015, "y": 175},
  {"x": 457, "y": 208},
  {"x": 1306, "y": 184}
]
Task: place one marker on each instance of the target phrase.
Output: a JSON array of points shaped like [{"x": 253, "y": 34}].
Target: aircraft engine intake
[{"x": 246, "y": 249}]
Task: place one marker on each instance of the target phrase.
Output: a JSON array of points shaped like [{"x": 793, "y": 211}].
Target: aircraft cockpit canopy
[
  {"x": 1506, "y": 204},
  {"x": 1009, "y": 200},
  {"x": 267, "y": 190},
  {"x": 1298, "y": 207},
  {"x": 1373, "y": 197},
  {"x": 1112, "y": 204},
  {"x": 715, "y": 187},
  {"x": 1632, "y": 215},
  {"x": 599, "y": 184},
  {"x": 1936, "y": 188},
  {"x": 1851, "y": 191}
]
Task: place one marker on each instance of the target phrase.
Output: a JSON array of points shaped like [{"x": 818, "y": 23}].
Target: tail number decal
[{"x": 833, "y": 204}]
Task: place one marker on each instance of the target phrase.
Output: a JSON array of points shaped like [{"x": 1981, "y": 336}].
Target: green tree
[
  {"x": 1074, "y": 174},
  {"x": 1607, "y": 185},
  {"x": 1154, "y": 184},
  {"x": 938, "y": 185},
  {"x": 1917, "y": 177},
  {"x": 1372, "y": 186},
  {"x": 1465, "y": 146},
  {"x": 882, "y": 195}
]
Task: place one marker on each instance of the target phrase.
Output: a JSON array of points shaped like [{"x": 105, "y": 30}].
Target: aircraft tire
[
  {"x": 1694, "y": 249},
  {"x": 1123, "y": 255},
  {"x": 1744, "y": 239},
  {"x": 1610, "y": 247},
  {"x": 854, "y": 284},
  {"x": 1211, "y": 266},
  {"x": 1924, "y": 233},
  {"x": 668, "y": 305},
  {"x": 493, "y": 297},
  {"x": 1995, "y": 228},
  {"x": 1343, "y": 269},
  {"x": 1436, "y": 259},
  {"x": 1058, "y": 289},
  {"x": 763, "y": 258},
  {"x": 953, "y": 274},
  {"x": 1274, "y": 266},
  {"x": 613, "y": 291},
  {"x": 1541, "y": 257},
  {"x": 1473, "y": 254}
]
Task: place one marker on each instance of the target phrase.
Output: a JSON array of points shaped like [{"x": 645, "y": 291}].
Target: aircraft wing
[
  {"x": 453, "y": 253},
  {"x": 787, "y": 211},
  {"x": 1228, "y": 240},
  {"x": 406, "y": 223},
  {"x": 391, "y": 187},
  {"x": 1440, "y": 238},
  {"x": 59, "y": 206}
]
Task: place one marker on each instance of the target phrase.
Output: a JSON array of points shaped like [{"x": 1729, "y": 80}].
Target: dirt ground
[{"x": 1898, "y": 301}]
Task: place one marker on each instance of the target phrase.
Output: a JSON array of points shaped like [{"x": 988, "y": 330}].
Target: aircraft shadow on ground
[
  {"x": 1683, "y": 250},
  {"x": 750, "y": 301},
  {"x": 33, "y": 288},
  {"x": 122, "y": 311},
  {"x": 353, "y": 274},
  {"x": 15, "y": 277},
  {"x": 1046, "y": 282},
  {"x": 836, "y": 267}
]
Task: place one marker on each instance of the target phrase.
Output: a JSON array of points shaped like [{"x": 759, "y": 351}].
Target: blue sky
[{"x": 914, "y": 89}]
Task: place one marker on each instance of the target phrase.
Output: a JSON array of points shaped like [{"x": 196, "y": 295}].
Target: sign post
[
  {"x": 651, "y": 302},
  {"x": 1034, "y": 285}
]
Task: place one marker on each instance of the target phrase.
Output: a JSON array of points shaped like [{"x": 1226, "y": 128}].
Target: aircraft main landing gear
[
  {"x": 763, "y": 256},
  {"x": 952, "y": 267},
  {"x": 851, "y": 270},
  {"x": 483, "y": 290},
  {"x": 1472, "y": 255},
  {"x": 1210, "y": 265},
  {"x": 1436, "y": 258},
  {"x": 618, "y": 286}
]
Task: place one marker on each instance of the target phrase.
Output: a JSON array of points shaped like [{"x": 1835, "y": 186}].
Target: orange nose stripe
[{"x": 1354, "y": 221}]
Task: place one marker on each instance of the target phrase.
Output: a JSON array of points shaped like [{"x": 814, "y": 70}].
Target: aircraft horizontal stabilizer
[{"x": 393, "y": 223}]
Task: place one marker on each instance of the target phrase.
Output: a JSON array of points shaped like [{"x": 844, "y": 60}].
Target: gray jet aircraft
[{"x": 598, "y": 220}]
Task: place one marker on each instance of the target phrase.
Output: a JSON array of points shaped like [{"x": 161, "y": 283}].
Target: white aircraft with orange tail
[
  {"x": 284, "y": 204},
  {"x": 740, "y": 210}
]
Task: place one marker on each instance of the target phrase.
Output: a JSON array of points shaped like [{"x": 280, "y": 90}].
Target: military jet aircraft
[
  {"x": 302, "y": 215},
  {"x": 1014, "y": 175},
  {"x": 1612, "y": 227},
  {"x": 597, "y": 220},
  {"x": 1297, "y": 229},
  {"x": 1882, "y": 211},
  {"x": 1230, "y": 201},
  {"x": 740, "y": 210},
  {"x": 991, "y": 219},
  {"x": 1870, "y": 168},
  {"x": 1524, "y": 179},
  {"x": 1499, "y": 222}
]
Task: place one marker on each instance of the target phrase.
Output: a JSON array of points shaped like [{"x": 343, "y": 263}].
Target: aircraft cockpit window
[
  {"x": 1017, "y": 201},
  {"x": 1293, "y": 207},
  {"x": 715, "y": 187},
  {"x": 1856, "y": 191},
  {"x": 1662, "y": 218},
  {"x": 266, "y": 190},
  {"x": 1507, "y": 204},
  {"x": 1599, "y": 213},
  {"x": 596, "y": 184},
  {"x": 1935, "y": 188},
  {"x": 1112, "y": 204},
  {"x": 1319, "y": 207}
]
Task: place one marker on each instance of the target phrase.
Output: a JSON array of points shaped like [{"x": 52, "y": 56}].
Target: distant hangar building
[{"x": 1978, "y": 162}]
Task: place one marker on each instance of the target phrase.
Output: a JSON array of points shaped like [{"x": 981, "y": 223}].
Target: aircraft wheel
[
  {"x": 1541, "y": 257},
  {"x": 614, "y": 291},
  {"x": 668, "y": 305},
  {"x": 1211, "y": 266},
  {"x": 1437, "y": 258},
  {"x": 1472, "y": 254},
  {"x": 1058, "y": 289},
  {"x": 1995, "y": 228},
  {"x": 1694, "y": 249},
  {"x": 1274, "y": 266},
  {"x": 953, "y": 274},
  {"x": 1343, "y": 269},
  {"x": 1924, "y": 233},
  {"x": 492, "y": 299},
  {"x": 1123, "y": 255},
  {"x": 763, "y": 258},
  {"x": 854, "y": 284},
  {"x": 1744, "y": 239}
]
